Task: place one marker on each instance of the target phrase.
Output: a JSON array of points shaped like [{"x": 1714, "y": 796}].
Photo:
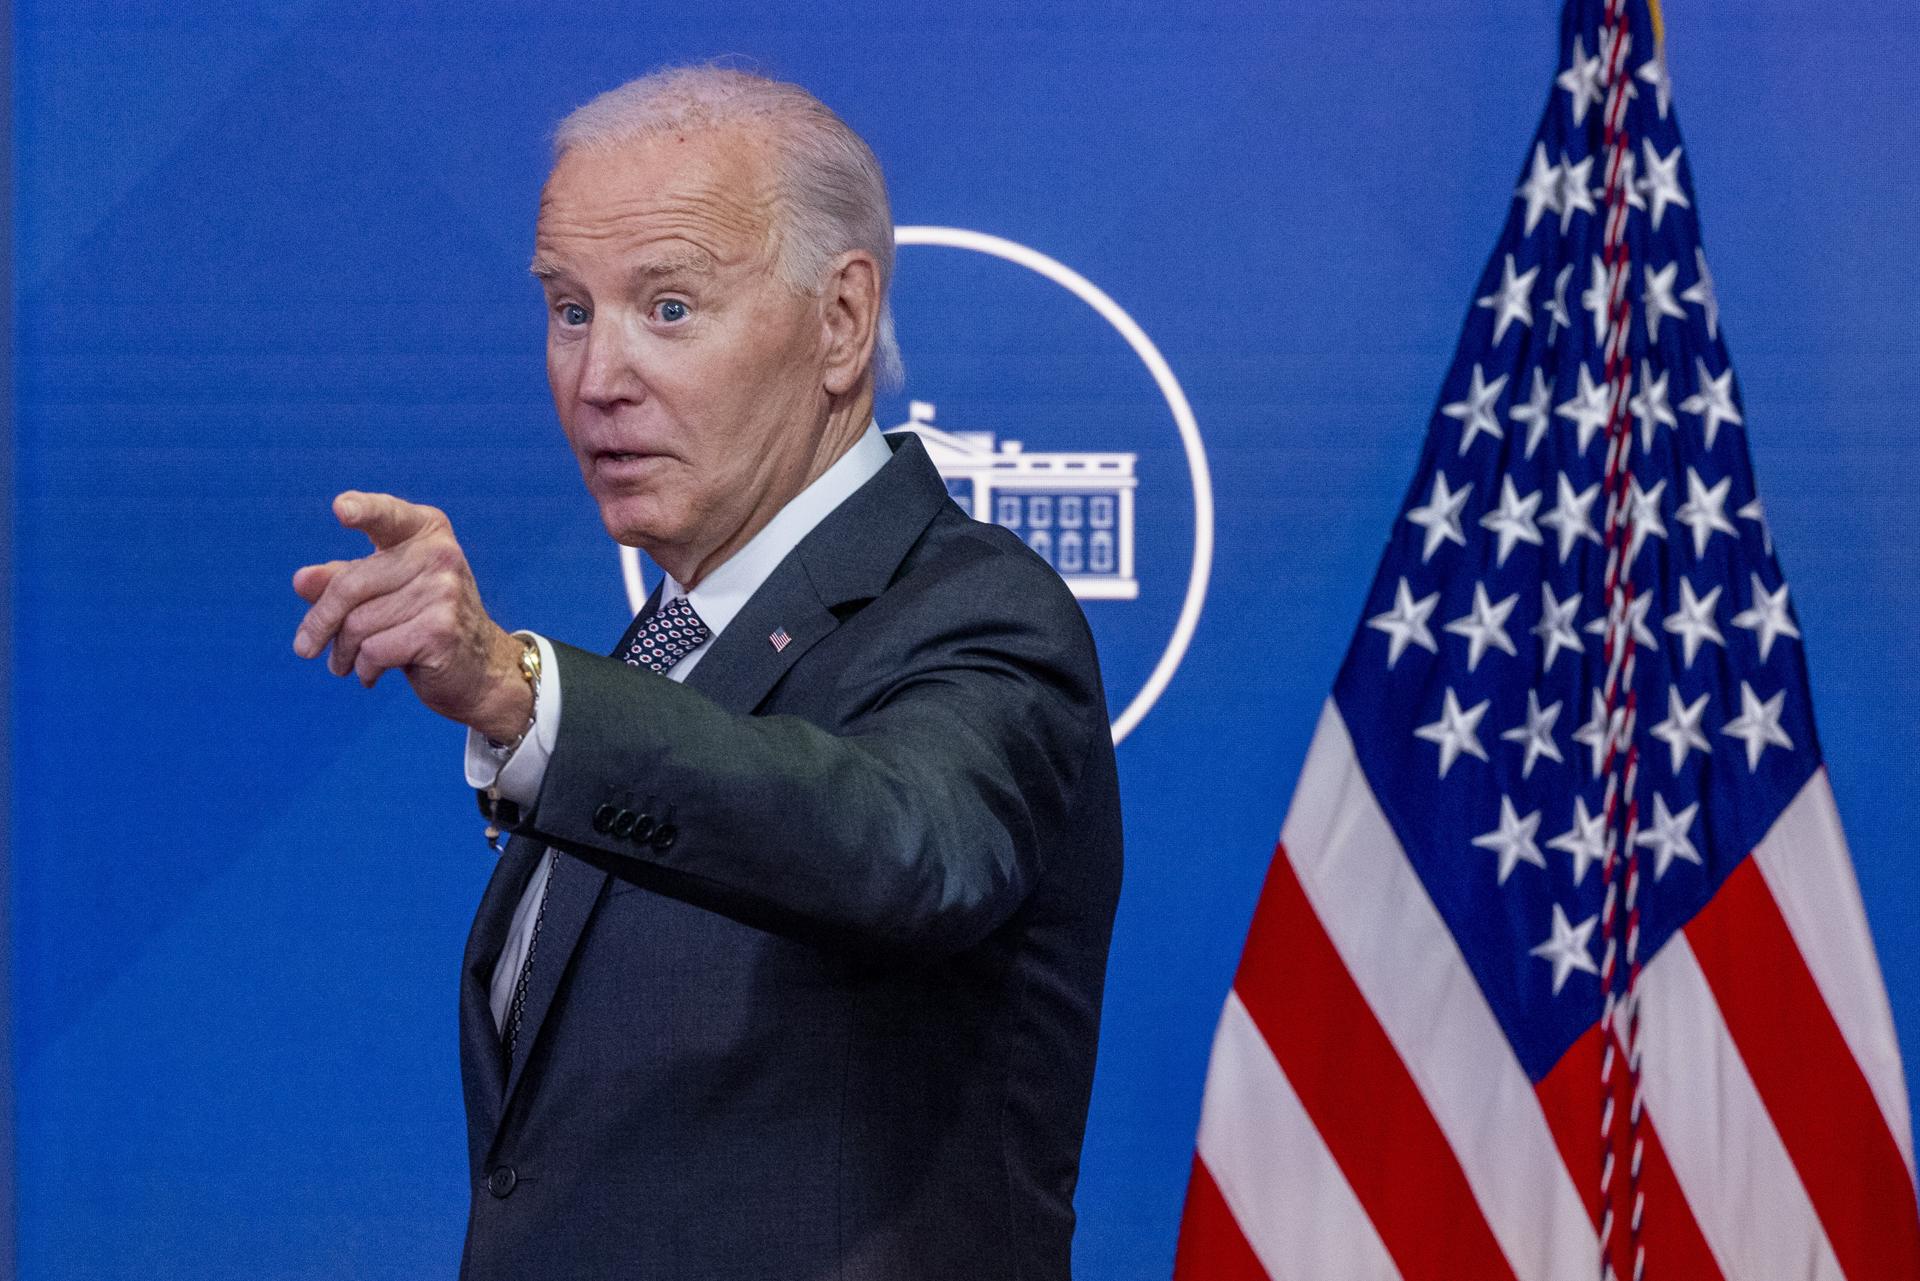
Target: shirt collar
[{"x": 726, "y": 590}]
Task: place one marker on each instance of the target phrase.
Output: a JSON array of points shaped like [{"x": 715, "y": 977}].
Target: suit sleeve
[{"x": 918, "y": 825}]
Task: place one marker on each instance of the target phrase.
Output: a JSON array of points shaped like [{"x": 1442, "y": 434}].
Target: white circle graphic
[{"x": 1110, "y": 311}]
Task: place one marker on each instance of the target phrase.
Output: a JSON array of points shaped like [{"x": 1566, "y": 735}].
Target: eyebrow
[{"x": 691, "y": 261}]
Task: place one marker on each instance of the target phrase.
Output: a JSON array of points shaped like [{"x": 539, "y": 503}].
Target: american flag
[{"x": 1561, "y": 969}]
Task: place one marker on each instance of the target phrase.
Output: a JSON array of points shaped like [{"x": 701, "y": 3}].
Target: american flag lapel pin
[{"x": 779, "y": 639}]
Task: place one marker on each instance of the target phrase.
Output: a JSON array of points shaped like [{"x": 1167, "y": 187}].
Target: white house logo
[
  {"x": 1082, "y": 508},
  {"x": 1075, "y": 510}
]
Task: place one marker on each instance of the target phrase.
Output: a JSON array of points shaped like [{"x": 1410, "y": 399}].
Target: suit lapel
[
  {"x": 849, "y": 557},
  {"x": 747, "y": 660}
]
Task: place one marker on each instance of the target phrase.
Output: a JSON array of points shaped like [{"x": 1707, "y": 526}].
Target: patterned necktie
[
  {"x": 673, "y": 632},
  {"x": 670, "y": 635}
]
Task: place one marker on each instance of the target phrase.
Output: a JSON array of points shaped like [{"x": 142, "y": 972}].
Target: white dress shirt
[{"x": 717, "y": 600}]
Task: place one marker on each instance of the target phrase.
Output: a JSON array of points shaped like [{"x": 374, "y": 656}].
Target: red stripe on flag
[
  {"x": 1570, "y": 1097},
  {"x": 1358, "y": 1093},
  {"x": 1807, "y": 1077},
  {"x": 1212, "y": 1247}
]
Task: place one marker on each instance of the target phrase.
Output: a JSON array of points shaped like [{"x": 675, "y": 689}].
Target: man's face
[{"x": 686, "y": 374}]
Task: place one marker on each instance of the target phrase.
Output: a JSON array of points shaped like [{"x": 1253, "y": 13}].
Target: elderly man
[{"x": 792, "y": 966}]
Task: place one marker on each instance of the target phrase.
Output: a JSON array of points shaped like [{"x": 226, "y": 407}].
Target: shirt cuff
[{"x": 518, "y": 772}]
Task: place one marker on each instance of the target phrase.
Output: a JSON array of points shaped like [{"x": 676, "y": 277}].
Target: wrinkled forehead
[{"x": 711, "y": 188}]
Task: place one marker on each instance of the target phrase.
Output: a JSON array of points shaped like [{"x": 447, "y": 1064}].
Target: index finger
[{"x": 387, "y": 520}]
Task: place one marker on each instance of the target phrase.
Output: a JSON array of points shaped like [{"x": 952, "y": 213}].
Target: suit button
[
  {"x": 642, "y": 829},
  {"x": 501, "y": 1181},
  {"x": 663, "y": 838},
  {"x": 603, "y": 818},
  {"x": 623, "y": 822}
]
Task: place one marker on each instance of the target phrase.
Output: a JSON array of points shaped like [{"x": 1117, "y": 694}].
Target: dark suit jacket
[{"x": 818, "y": 984}]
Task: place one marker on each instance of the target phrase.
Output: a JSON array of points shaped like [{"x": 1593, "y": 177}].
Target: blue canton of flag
[
  {"x": 1475, "y": 693},
  {"x": 1562, "y": 892}
]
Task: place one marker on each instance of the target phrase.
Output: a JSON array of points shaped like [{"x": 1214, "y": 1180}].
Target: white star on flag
[
  {"x": 1557, "y": 306},
  {"x": 1758, "y": 725},
  {"x": 1513, "y": 300},
  {"x": 1594, "y": 298},
  {"x": 1454, "y": 732},
  {"x": 1440, "y": 517},
  {"x": 1596, "y": 732},
  {"x": 1700, "y": 293},
  {"x": 1589, "y": 409},
  {"x": 1681, "y": 730},
  {"x": 1693, "y": 622},
  {"x": 1767, "y": 617},
  {"x": 1534, "y": 414},
  {"x": 1667, "y": 836},
  {"x": 1406, "y": 623},
  {"x": 1555, "y": 627},
  {"x": 1572, "y": 516},
  {"x": 1567, "y": 948},
  {"x": 1654, "y": 72},
  {"x": 1629, "y": 184},
  {"x": 1541, "y": 190},
  {"x": 1756, "y": 511},
  {"x": 1705, "y": 511},
  {"x": 1476, "y": 411},
  {"x": 1650, "y": 406},
  {"x": 1513, "y": 840},
  {"x": 1586, "y": 840},
  {"x": 1512, "y": 520},
  {"x": 1661, "y": 182},
  {"x": 1584, "y": 80},
  {"x": 1536, "y": 735},
  {"x": 1484, "y": 626},
  {"x": 1713, "y": 402},
  {"x": 1636, "y": 620},
  {"x": 1659, "y": 299},
  {"x": 1576, "y": 192},
  {"x": 1644, "y": 515}
]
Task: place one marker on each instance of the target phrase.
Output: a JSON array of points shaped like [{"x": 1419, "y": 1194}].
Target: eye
[
  {"x": 572, "y": 313},
  {"x": 671, "y": 310}
]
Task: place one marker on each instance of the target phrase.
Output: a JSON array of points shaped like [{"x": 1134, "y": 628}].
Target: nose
[{"x": 609, "y": 373}]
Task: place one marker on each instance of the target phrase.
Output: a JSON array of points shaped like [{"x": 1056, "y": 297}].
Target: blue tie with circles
[{"x": 670, "y": 635}]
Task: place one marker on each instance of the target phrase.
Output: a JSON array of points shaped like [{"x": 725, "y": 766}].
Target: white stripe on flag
[
  {"x": 1804, "y": 863},
  {"x": 1719, "y": 1138},
  {"x": 1407, "y": 965},
  {"x": 1274, "y": 1171}
]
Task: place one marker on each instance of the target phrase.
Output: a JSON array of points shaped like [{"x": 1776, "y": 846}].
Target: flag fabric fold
[{"x": 1561, "y": 969}]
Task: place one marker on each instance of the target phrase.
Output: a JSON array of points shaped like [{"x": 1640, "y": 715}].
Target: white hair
[{"x": 829, "y": 192}]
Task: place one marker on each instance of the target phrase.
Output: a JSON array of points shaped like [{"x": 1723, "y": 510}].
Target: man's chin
[{"x": 636, "y": 522}]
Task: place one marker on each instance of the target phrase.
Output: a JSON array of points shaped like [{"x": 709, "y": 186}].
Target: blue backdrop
[{"x": 266, "y": 252}]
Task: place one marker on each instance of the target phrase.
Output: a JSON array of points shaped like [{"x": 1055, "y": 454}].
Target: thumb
[{"x": 311, "y": 580}]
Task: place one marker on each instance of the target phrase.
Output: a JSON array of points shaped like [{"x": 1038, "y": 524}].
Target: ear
[{"x": 850, "y": 303}]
